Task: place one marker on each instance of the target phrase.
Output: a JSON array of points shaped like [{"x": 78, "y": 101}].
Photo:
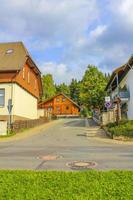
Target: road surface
[{"x": 67, "y": 140}]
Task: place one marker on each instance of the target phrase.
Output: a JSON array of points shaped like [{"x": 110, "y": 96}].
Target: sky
[{"x": 64, "y": 36}]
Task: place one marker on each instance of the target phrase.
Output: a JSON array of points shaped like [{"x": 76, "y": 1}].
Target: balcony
[{"x": 123, "y": 95}]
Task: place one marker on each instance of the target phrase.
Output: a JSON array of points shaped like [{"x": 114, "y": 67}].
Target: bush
[
  {"x": 54, "y": 117},
  {"x": 85, "y": 112},
  {"x": 125, "y": 128}
]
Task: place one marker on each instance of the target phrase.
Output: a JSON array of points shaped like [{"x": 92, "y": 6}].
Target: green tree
[
  {"x": 92, "y": 89},
  {"x": 63, "y": 88},
  {"x": 49, "y": 89},
  {"x": 75, "y": 90}
]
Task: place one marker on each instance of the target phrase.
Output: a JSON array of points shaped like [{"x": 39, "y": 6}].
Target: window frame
[
  {"x": 3, "y": 105},
  {"x": 67, "y": 107},
  {"x": 63, "y": 99},
  {"x": 58, "y": 108},
  {"x": 57, "y": 99},
  {"x": 9, "y": 51},
  {"x": 23, "y": 73},
  {"x": 28, "y": 77},
  {"x": 50, "y": 108},
  {"x": 35, "y": 84}
]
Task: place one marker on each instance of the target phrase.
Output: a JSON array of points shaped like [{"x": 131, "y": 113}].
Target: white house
[
  {"x": 20, "y": 83},
  {"x": 120, "y": 86}
]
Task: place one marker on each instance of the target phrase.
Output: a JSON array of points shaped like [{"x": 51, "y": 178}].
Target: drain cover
[
  {"x": 49, "y": 157},
  {"x": 82, "y": 165}
]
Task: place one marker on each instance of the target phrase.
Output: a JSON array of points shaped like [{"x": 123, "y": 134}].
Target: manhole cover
[
  {"x": 82, "y": 165},
  {"x": 49, "y": 157}
]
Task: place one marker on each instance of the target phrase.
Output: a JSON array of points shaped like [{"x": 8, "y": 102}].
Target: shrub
[
  {"x": 125, "y": 128},
  {"x": 84, "y": 112}
]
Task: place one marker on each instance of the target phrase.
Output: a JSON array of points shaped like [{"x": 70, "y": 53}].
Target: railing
[{"x": 123, "y": 95}]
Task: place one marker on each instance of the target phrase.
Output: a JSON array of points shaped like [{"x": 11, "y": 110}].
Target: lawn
[{"x": 85, "y": 185}]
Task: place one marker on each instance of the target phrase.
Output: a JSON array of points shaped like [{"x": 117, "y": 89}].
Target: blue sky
[{"x": 64, "y": 36}]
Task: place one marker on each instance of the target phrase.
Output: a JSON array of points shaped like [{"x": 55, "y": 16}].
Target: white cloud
[
  {"x": 47, "y": 21},
  {"x": 98, "y": 31},
  {"x": 123, "y": 9},
  {"x": 60, "y": 72},
  {"x": 86, "y": 34}
]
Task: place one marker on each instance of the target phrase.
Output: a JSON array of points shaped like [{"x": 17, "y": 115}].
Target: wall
[
  {"x": 130, "y": 87},
  {"x": 43, "y": 113},
  {"x": 24, "y": 104}
]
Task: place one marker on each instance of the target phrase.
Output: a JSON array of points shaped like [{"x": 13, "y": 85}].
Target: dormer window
[{"x": 9, "y": 51}]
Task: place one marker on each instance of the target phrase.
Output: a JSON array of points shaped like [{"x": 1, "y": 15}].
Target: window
[
  {"x": 23, "y": 73},
  {"x": 2, "y": 97},
  {"x": 67, "y": 107},
  {"x": 50, "y": 108},
  {"x": 9, "y": 51},
  {"x": 28, "y": 77},
  {"x": 35, "y": 84},
  {"x": 57, "y": 99},
  {"x": 63, "y": 99},
  {"x": 57, "y": 108}
]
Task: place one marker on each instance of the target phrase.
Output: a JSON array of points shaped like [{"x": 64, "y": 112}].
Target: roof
[
  {"x": 58, "y": 95},
  {"x": 121, "y": 71},
  {"x": 13, "y": 56}
]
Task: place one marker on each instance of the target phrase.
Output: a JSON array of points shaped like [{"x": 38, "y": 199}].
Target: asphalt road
[{"x": 67, "y": 140}]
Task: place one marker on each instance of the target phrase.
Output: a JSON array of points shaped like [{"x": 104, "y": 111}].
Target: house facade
[
  {"x": 60, "y": 104},
  {"x": 20, "y": 83},
  {"x": 120, "y": 87}
]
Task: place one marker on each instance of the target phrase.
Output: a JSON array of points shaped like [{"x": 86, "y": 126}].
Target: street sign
[
  {"x": 9, "y": 105},
  {"x": 107, "y": 99},
  {"x": 107, "y": 104}
]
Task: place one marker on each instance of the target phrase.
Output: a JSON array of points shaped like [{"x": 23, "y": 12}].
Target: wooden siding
[
  {"x": 60, "y": 105},
  {"x": 32, "y": 86}
]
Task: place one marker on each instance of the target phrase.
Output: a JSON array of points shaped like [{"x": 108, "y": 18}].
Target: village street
[{"x": 67, "y": 140}]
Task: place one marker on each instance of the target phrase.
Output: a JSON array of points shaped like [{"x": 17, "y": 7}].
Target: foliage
[
  {"x": 85, "y": 112},
  {"x": 75, "y": 90},
  {"x": 92, "y": 89},
  {"x": 107, "y": 76},
  {"x": 125, "y": 128},
  {"x": 63, "y": 88},
  {"x": 49, "y": 89},
  {"x": 48, "y": 185}
]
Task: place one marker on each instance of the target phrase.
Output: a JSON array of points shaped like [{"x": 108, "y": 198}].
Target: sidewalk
[
  {"x": 30, "y": 132},
  {"x": 95, "y": 132}
]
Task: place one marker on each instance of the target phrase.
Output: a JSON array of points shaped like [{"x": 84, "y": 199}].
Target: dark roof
[
  {"x": 13, "y": 56},
  {"x": 58, "y": 95},
  {"x": 121, "y": 71}
]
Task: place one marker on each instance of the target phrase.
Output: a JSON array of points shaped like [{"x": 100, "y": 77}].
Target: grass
[
  {"x": 8, "y": 135},
  {"x": 87, "y": 185}
]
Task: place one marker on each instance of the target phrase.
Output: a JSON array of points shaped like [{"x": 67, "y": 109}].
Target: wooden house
[{"x": 60, "y": 104}]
